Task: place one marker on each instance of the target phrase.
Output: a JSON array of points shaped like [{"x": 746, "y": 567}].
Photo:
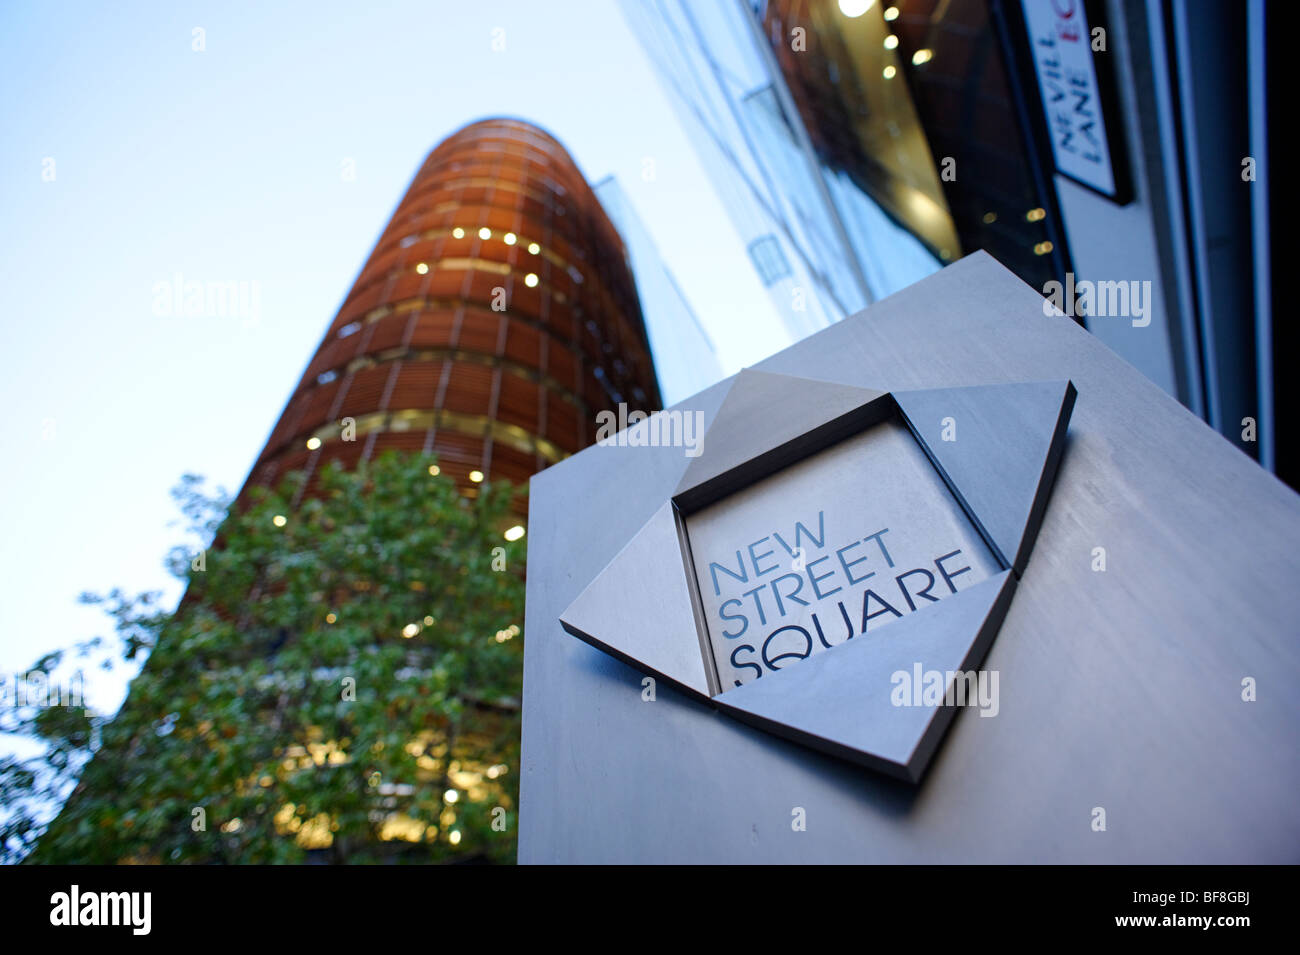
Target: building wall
[
  {"x": 822, "y": 246},
  {"x": 880, "y": 95},
  {"x": 1119, "y": 690},
  {"x": 496, "y": 315},
  {"x": 685, "y": 359}
]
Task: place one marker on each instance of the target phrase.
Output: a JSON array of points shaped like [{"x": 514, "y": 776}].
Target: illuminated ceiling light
[
  {"x": 422, "y": 268},
  {"x": 514, "y": 533},
  {"x": 279, "y": 520},
  {"x": 410, "y": 630},
  {"x": 435, "y": 470},
  {"x": 921, "y": 56},
  {"x": 891, "y": 42},
  {"x": 891, "y": 13},
  {"x": 428, "y": 621},
  {"x": 454, "y": 836},
  {"x": 1035, "y": 215},
  {"x": 458, "y": 233},
  {"x": 313, "y": 444},
  {"x": 485, "y": 233},
  {"x": 451, "y": 796},
  {"x": 534, "y": 248},
  {"x": 476, "y": 476},
  {"x": 510, "y": 238},
  {"x": 855, "y": 8},
  {"x": 888, "y": 72},
  {"x": 990, "y": 218},
  {"x": 531, "y": 279},
  {"x": 331, "y": 617},
  {"x": 1042, "y": 248}
]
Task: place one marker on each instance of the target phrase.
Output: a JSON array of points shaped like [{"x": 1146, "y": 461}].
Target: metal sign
[
  {"x": 832, "y": 548},
  {"x": 827, "y": 539}
]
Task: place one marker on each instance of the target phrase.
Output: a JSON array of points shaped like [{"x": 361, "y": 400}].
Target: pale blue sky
[{"x": 225, "y": 165}]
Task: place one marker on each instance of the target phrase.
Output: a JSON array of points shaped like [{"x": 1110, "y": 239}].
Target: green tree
[{"x": 341, "y": 681}]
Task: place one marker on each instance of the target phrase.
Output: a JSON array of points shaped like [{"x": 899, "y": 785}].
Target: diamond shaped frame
[{"x": 644, "y": 606}]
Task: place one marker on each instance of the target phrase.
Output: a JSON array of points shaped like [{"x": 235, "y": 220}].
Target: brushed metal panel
[
  {"x": 761, "y": 413},
  {"x": 640, "y": 607},
  {"x": 999, "y": 446},
  {"x": 1120, "y": 688}
]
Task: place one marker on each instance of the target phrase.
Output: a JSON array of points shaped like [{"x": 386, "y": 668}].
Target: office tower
[
  {"x": 1113, "y": 154},
  {"x": 685, "y": 359},
  {"x": 822, "y": 246},
  {"x": 495, "y": 317}
]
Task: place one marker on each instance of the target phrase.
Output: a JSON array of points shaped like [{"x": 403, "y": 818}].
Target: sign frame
[
  {"x": 644, "y": 606},
  {"x": 1020, "y": 40}
]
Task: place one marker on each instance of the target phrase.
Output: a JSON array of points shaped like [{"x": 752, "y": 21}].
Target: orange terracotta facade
[{"x": 495, "y": 317}]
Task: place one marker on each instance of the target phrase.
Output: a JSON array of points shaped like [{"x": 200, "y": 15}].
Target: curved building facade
[{"x": 495, "y": 317}]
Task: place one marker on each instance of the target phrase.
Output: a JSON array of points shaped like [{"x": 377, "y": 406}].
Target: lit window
[
  {"x": 531, "y": 279},
  {"x": 313, "y": 444},
  {"x": 510, "y": 238},
  {"x": 514, "y": 533},
  {"x": 485, "y": 233},
  {"x": 435, "y": 470},
  {"x": 888, "y": 72},
  {"x": 422, "y": 268},
  {"x": 891, "y": 42},
  {"x": 921, "y": 56},
  {"x": 534, "y": 248},
  {"x": 279, "y": 520},
  {"x": 458, "y": 233},
  {"x": 476, "y": 476}
]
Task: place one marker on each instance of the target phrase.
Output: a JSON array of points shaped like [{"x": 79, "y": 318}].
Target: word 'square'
[{"x": 817, "y": 515}]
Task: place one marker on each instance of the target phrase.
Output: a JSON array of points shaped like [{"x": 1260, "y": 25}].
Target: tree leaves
[{"x": 381, "y": 582}]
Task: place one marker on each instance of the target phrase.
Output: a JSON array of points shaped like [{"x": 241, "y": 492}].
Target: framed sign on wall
[
  {"x": 830, "y": 543},
  {"x": 1066, "y": 49}
]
